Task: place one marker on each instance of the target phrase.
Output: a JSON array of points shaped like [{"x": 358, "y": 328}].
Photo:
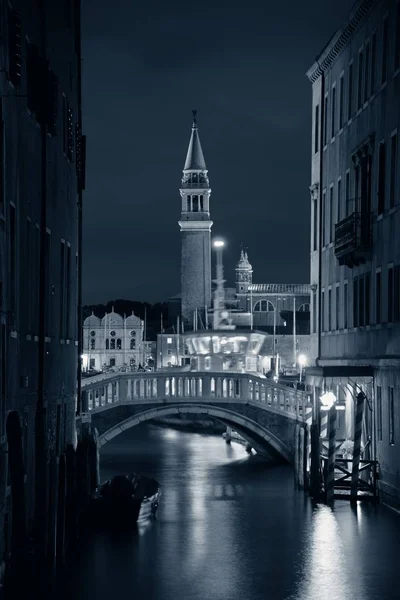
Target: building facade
[
  {"x": 271, "y": 305},
  {"x": 195, "y": 226},
  {"x": 355, "y": 227},
  {"x": 113, "y": 342},
  {"x": 41, "y": 183}
]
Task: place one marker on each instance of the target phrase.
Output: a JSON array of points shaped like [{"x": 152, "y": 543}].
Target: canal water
[{"x": 232, "y": 527}]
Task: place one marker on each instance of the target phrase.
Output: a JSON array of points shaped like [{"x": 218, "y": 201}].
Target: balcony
[{"x": 353, "y": 239}]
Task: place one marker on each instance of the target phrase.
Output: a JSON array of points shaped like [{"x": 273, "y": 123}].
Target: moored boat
[{"x": 124, "y": 500}]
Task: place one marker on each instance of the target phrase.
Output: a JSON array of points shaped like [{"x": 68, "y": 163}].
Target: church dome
[
  {"x": 92, "y": 321},
  {"x": 243, "y": 263},
  {"x": 133, "y": 321},
  {"x": 112, "y": 319}
]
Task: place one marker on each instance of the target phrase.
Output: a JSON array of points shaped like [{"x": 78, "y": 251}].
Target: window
[
  {"x": 132, "y": 344},
  {"x": 347, "y": 192},
  {"x": 381, "y": 177},
  {"x": 119, "y": 344},
  {"x": 367, "y": 299},
  {"x": 92, "y": 344},
  {"x": 329, "y": 310},
  {"x": 195, "y": 204},
  {"x": 201, "y": 207},
  {"x": 315, "y": 223},
  {"x": 314, "y": 313},
  {"x": 373, "y": 63},
  {"x": 207, "y": 362},
  {"x": 331, "y": 221},
  {"x": 323, "y": 310},
  {"x": 68, "y": 308},
  {"x": 337, "y": 305},
  {"x": 350, "y": 101},
  {"x": 366, "y": 73},
  {"x": 355, "y": 302},
  {"x": 28, "y": 272},
  {"x": 333, "y": 112},
  {"x": 341, "y": 101},
  {"x": 68, "y": 130},
  {"x": 2, "y": 190},
  {"x": 323, "y": 218},
  {"x": 112, "y": 362},
  {"x": 396, "y": 294},
  {"x": 112, "y": 344},
  {"x": 92, "y": 363},
  {"x": 390, "y": 295},
  {"x": 356, "y": 186},
  {"x": 188, "y": 204},
  {"x": 384, "y": 49},
  {"x": 391, "y": 415},
  {"x": 379, "y": 413},
  {"x": 132, "y": 333},
  {"x": 304, "y": 307},
  {"x": 13, "y": 256},
  {"x": 48, "y": 300},
  {"x": 339, "y": 201},
  {"x": 397, "y": 38},
  {"x": 393, "y": 164},
  {"x": 326, "y": 121},
  {"x": 62, "y": 288},
  {"x": 169, "y": 340},
  {"x": 345, "y": 306},
  {"x": 378, "y": 294},
  {"x": 361, "y": 304},
  {"x": 263, "y": 306},
  {"x": 316, "y": 129},
  {"x": 360, "y": 80},
  {"x": 14, "y": 47},
  {"x": 107, "y": 344}
]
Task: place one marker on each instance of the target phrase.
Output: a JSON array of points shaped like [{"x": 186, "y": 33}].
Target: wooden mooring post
[
  {"x": 357, "y": 448},
  {"x": 330, "y": 476}
]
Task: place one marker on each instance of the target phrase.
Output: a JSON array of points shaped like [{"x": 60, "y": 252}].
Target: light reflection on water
[{"x": 232, "y": 527}]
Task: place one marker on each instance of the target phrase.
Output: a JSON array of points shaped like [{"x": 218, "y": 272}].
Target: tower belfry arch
[{"x": 195, "y": 226}]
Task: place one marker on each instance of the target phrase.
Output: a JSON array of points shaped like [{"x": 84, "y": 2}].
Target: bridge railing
[{"x": 98, "y": 393}]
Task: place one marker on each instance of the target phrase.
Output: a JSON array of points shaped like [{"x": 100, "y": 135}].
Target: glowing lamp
[
  {"x": 219, "y": 244},
  {"x": 302, "y": 360},
  {"x": 328, "y": 399}
]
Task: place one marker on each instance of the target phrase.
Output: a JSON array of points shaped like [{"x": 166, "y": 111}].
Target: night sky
[{"x": 242, "y": 65}]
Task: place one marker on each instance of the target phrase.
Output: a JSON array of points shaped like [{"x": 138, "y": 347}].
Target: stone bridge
[{"x": 264, "y": 413}]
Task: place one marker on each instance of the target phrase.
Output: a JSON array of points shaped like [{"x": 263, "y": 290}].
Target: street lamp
[
  {"x": 218, "y": 243},
  {"x": 328, "y": 399},
  {"x": 302, "y": 360}
]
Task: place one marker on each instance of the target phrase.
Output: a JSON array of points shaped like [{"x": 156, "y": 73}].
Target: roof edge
[{"x": 339, "y": 39}]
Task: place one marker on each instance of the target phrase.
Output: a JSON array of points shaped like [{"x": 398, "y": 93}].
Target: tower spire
[{"x": 195, "y": 158}]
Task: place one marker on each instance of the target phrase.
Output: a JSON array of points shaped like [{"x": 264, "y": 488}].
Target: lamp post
[
  {"x": 302, "y": 360},
  {"x": 219, "y": 292},
  {"x": 328, "y": 402}
]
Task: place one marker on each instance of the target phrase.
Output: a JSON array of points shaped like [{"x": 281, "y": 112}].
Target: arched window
[
  {"x": 188, "y": 205},
  {"x": 133, "y": 343},
  {"x": 264, "y": 306},
  {"x": 112, "y": 345},
  {"x": 201, "y": 204},
  {"x": 305, "y": 307},
  {"x": 92, "y": 344},
  {"x": 195, "y": 204},
  {"x": 119, "y": 344},
  {"x": 107, "y": 344}
]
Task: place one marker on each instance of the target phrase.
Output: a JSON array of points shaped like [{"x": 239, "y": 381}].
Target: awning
[{"x": 327, "y": 375}]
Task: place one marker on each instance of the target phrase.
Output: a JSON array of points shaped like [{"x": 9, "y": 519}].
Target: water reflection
[{"x": 232, "y": 527}]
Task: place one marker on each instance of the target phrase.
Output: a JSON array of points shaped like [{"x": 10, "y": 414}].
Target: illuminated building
[
  {"x": 113, "y": 342},
  {"x": 355, "y": 232}
]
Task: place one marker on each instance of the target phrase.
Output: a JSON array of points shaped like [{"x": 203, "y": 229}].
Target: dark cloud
[{"x": 243, "y": 66}]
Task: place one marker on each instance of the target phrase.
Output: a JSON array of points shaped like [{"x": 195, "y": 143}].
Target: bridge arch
[{"x": 257, "y": 435}]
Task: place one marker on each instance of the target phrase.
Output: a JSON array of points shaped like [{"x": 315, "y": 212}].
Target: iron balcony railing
[
  {"x": 196, "y": 185},
  {"x": 353, "y": 237}
]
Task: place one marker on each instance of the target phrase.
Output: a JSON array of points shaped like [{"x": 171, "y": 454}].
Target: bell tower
[
  {"x": 195, "y": 226},
  {"x": 244, "y": 273}
]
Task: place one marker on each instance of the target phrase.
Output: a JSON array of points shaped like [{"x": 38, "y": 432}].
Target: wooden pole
[
  {"x": 324, "y": 430},
  {"x": 315, "y": 486},
  {"x": 330, "y": 478},
  {"x": 294, "y": 332},
  {"x": 308, "y": 419},
  {"x": 301, "y": 458},
  {"x": 357, "y": 447}
]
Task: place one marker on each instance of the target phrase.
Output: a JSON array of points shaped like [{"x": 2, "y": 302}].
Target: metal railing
[{"x": 352, "y": 234}]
